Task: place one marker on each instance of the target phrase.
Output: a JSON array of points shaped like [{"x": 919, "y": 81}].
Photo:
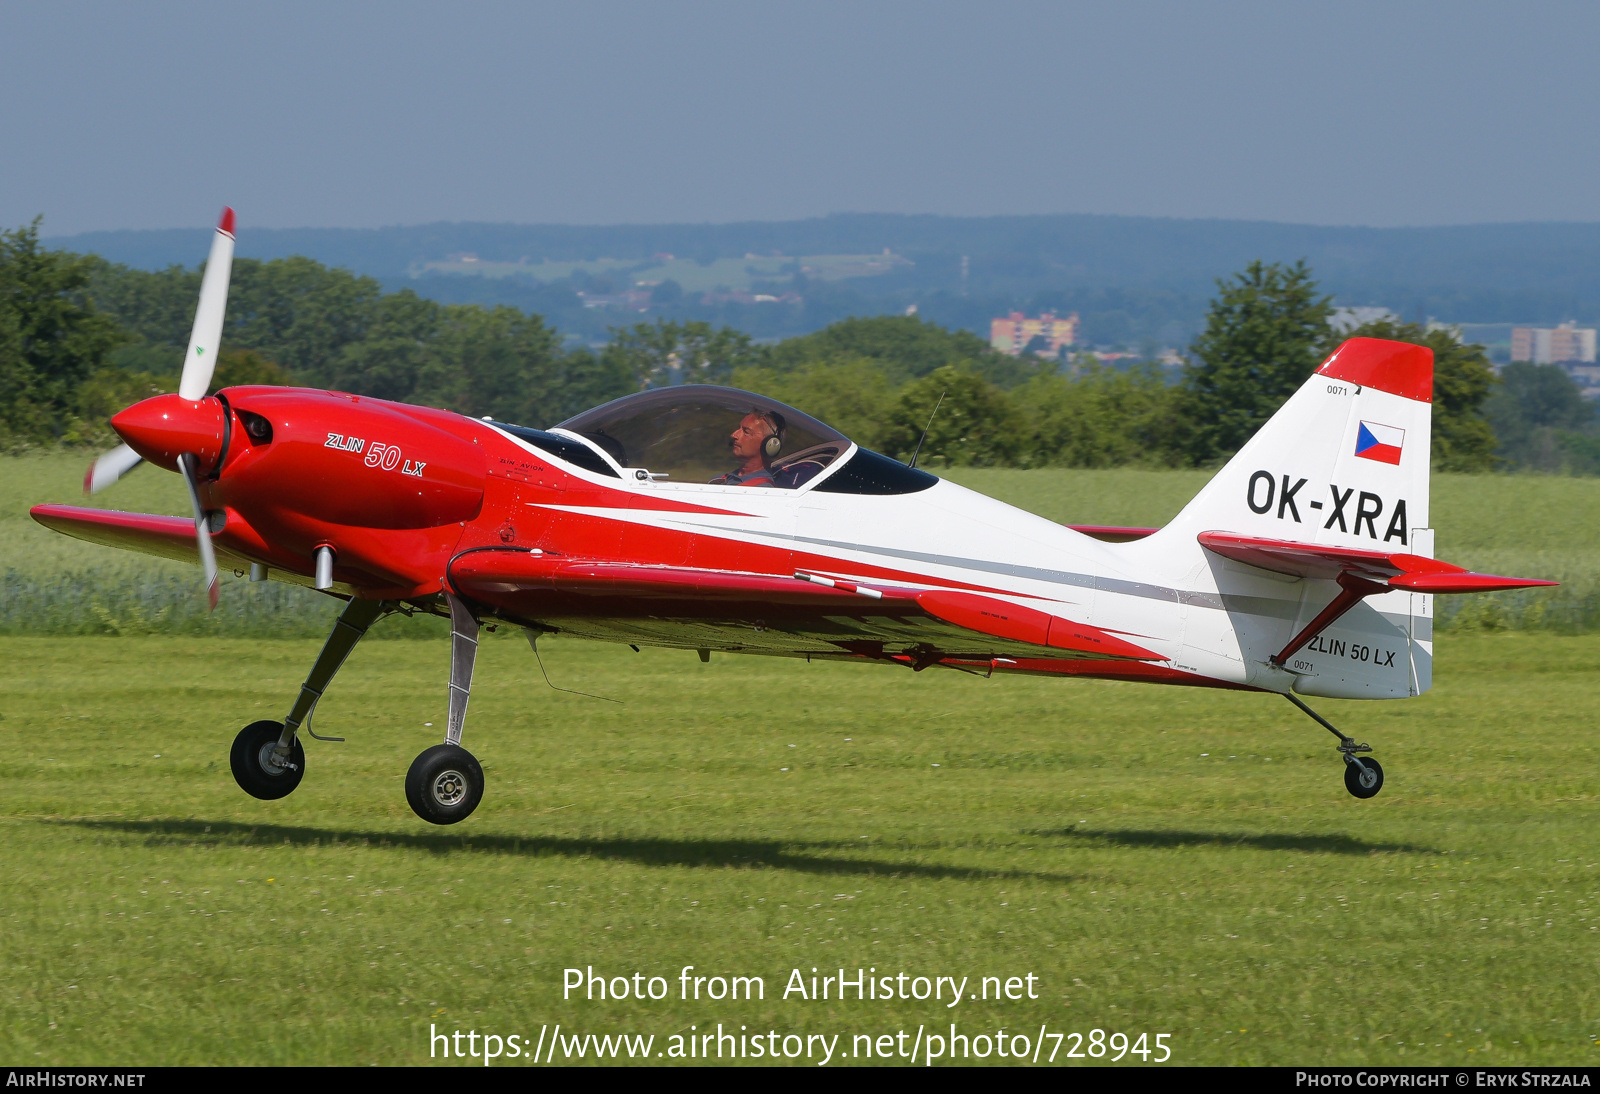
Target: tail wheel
[
  {"x": 445, "y": 784},
  {"x": 257, "y": 767},
  {"x": 1364, "y": 781}
]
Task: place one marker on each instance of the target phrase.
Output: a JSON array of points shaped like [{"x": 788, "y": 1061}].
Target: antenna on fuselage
[{"x": 925, "y": 429}]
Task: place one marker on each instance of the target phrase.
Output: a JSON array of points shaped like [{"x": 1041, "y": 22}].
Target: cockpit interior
[{"x": 688, "y": 434}]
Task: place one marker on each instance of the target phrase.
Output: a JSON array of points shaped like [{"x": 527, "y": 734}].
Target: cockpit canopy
[{"x": 685, "y": 434}]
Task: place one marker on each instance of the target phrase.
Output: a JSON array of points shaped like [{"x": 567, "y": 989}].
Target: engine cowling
[{"x": 347, "y": 460}]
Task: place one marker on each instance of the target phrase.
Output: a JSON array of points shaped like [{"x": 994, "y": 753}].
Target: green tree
[
  {"x": 106, "y": 392},
  {"x": 977, "y": 424},
  {"x": 854, "y": 396},
  {"x": 1266, "y": 331},
  {"x": 580, "y": 379},
  {"x": 155, "y": 309},
  {"x": 51, "y": 337},
  {"x": 496, "y": 362},
  {"x": 905, "y": 347},
  {"x": 690, "y": 353},
  {"x": 299, "y": 313},
  {"x": 242, "y": 367},
  {"x": 1463, "y": 439},
  {"x": 1098, "y": 417},
  {"x": 387, "y": 362},
  {"x": 1534, "y": 411}
]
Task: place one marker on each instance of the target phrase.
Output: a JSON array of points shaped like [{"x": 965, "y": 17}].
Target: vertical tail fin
[{"x": 1343, "y": 462}]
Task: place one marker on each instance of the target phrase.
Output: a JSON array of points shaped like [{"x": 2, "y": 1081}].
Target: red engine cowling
[{"x": 347, "y": 460}]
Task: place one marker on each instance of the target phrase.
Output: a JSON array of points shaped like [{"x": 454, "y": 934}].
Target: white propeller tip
[{"x": 108, "y": 467}]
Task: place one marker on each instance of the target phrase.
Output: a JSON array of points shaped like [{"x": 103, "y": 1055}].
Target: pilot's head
[{"x": 759, "y": 436}]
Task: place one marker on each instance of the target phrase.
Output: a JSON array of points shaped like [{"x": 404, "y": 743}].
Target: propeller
[
  {"x": 190, "y": 466},
  {"x": 199, "y": 363},
  {"x": 108, "y": 467},
  {"x": 179, "y": 420},
  {"x": 201, "y": 360}
]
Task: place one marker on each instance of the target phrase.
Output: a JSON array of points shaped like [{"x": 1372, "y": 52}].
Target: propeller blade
[
  {"x": 202, "y": 536},
  {"x": 201, "y": 360},
  {"x": 108, "y": 467}
]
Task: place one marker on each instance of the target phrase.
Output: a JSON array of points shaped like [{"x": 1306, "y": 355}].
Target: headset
[{"x": 774, "y": 442}]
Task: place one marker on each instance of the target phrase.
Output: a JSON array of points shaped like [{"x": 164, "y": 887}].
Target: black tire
[
  {"x": 444, "y": 785},
  {"x": 249, "y": 759},
  {"x": 1363, "y": 784}
]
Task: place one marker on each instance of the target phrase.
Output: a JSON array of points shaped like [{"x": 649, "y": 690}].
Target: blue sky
[{"x": 360, "y": 115}]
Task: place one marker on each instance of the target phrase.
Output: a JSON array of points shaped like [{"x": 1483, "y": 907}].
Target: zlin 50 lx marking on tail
[{"x": 706, "y": 518}]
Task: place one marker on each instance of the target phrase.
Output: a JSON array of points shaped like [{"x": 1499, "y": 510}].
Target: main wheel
[
  {"x": 1363, "y": 783},
  {"x": 445, "y": 784},
  {"x": 256, "y": 767}
]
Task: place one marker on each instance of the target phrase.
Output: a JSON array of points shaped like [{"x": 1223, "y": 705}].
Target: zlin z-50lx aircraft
[{"x": 1304, "y": 568}]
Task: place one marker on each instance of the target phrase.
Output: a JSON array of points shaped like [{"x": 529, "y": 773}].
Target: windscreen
[{"x": 688, "y": 434}]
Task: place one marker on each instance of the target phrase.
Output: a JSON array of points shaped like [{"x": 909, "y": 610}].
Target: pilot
[{"x": 755, "y": 443}]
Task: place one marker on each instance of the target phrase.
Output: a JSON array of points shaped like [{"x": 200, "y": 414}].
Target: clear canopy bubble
[{"x": 685, "y": 434}]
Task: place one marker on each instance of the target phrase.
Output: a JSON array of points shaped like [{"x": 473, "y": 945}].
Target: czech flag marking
[{"x": 1379, "y": 442}]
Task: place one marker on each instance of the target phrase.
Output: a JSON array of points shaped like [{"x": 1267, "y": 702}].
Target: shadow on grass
[
  {"x": 802, "y": 857},
  {"x": 1336, "y": 844}
]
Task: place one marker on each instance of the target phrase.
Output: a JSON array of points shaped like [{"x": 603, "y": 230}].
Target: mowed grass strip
[{"x": 1163, "y": 860}]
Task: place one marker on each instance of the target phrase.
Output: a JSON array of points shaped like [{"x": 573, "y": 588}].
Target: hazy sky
[{"x": 337, "y": 114}]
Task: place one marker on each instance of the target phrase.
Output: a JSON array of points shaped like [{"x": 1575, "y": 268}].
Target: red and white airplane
[{"x": 1305, "y": 567}]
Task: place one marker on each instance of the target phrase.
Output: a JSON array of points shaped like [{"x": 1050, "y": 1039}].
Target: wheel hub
[
  {"x": 449, "y": 788},
  {"x": 271, "y": 762}
]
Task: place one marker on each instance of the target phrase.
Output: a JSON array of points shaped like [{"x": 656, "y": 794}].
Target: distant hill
[{"x": 1134, "y": 279}]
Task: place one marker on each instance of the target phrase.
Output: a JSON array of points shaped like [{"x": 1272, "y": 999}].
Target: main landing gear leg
[
  {"x": 267, "y": 759},
  {"x": 1362, "y": 777},
  {"x": 445, "y": 783}
]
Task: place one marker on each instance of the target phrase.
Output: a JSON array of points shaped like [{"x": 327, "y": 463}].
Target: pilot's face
[{"x": 748, "y": 437}]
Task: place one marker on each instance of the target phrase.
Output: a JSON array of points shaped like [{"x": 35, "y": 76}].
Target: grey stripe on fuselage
[{"x": 1229, "y": 602}]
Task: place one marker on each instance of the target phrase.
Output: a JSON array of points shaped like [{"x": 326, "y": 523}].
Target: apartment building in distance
[
  {"x": 1553, "y": 345},
  {"x": 1012, "y": 334}
]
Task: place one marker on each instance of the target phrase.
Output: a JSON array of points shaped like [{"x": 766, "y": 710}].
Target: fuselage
[{"x": 399, "y": 491}]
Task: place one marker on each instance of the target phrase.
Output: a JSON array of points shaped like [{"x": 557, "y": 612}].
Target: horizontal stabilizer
[{"x": 1395, "y": 569}]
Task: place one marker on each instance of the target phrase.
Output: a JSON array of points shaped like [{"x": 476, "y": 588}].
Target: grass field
[
  {"x": 1162, "y": 860},
  {"x": 1529, "y": 526}
]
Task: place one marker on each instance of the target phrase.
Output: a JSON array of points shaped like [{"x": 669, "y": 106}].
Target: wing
[
  {"x": 167, "y": 537},
  {"x": 796, "y": 614},
  {"x": 1397, "y": 570},
  {"x": 146, "y": 533}
]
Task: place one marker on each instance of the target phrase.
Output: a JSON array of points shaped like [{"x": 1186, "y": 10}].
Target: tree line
[{"x": 80, "y": 338}]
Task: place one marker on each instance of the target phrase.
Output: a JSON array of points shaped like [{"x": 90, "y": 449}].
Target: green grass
[
  {"x": 51, "y": 584},
  {"x": 1164, "y": 860},
  {"x": 1528, "y": 526}
]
